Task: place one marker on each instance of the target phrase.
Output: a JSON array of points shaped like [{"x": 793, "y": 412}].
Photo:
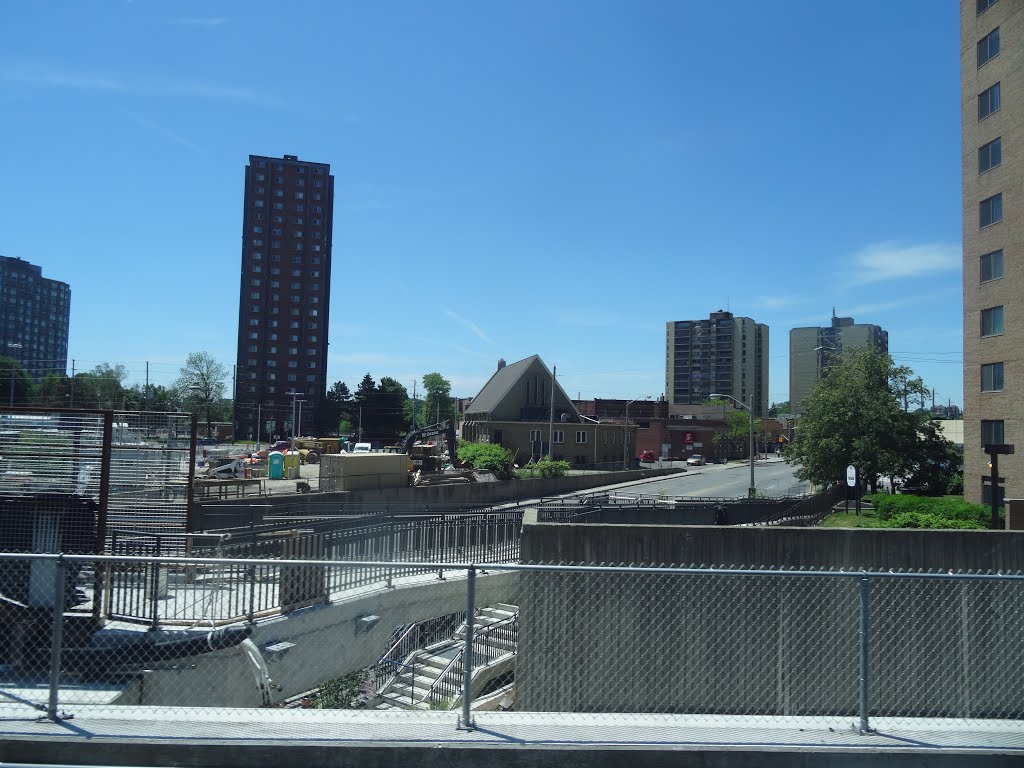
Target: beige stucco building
[{"x": 992, "y": 121}]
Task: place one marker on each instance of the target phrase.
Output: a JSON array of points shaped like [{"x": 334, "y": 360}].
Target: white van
[{"x": 362, "y": 448}]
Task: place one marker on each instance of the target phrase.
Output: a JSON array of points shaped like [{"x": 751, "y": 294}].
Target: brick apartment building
[
  {"x": 284, "y": 296},
  {"x": 992, "y": 126}
]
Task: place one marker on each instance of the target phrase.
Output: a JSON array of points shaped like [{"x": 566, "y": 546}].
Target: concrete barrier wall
[
  {"x": 236, "y": 513},
  {"x": 846, "y": 548},
  {"x": 769, "y": 645}
]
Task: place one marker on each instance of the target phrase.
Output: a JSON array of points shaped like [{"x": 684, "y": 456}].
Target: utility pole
[
  {"x": 414, "y": 406},
  {"x": 72, "y": 405},
  {"x": 551, "y": 421}
]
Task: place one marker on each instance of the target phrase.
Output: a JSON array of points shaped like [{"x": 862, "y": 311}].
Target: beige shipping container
[{"x": 363, "y": 471}]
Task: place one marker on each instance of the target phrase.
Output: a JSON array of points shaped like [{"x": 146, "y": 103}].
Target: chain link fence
[{"x": 743, "y": 646}]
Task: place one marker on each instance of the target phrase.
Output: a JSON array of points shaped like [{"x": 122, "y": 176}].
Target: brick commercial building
[
  {"x": 992, "y": 122},
  {"x": 284, "y": 295}
]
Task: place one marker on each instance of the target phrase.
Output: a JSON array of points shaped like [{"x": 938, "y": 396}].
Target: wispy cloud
[
  {"x": 201, "y": 21},
  {"x": 162, "y": 130},
  {"x": 892, "y": 261},
  {"x": 469, "y": 324},
  {"x": 36, "y": 73}
]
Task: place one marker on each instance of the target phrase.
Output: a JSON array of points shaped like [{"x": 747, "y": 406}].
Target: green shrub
[
  {"x": 488, "y": 457},
  {"x": 905, "y": 511},
  {"x": 546, "y": 467}
]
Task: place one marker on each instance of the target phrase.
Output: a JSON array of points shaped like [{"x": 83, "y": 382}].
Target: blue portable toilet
[{"x": 275, "y": 465}]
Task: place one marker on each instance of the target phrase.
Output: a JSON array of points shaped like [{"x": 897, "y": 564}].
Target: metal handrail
[{"x": 483, "y": 632}]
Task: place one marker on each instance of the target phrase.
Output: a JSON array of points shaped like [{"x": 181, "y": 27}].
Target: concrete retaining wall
[
  {"x": 765, "y": 547},
  {"x": 227, "y": 514},
  {"x": 769, "y": 645}
]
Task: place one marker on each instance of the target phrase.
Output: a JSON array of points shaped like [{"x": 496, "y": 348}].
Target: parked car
[
  {"x": 696, "y": 460},
  {"x": 648, "y": 456}
]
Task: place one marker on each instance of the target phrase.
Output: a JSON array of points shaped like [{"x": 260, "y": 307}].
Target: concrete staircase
[{"x": 431, "y": 678}]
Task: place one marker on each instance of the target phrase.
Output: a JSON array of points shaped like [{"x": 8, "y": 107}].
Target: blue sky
[{"x": 511, "y": 178}]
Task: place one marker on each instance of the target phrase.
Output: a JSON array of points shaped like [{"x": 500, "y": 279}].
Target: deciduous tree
[{"x": 200, "y": 386}]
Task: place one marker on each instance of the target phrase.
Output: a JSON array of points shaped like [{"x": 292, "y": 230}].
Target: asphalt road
[{"x": 772, "y": 477}]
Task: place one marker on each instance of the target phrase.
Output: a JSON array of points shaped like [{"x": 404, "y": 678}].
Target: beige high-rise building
[
  {"x": 992, "y": 123},
  {"x": 811, "y": 348},
  {"x": 723, "y": 354}
]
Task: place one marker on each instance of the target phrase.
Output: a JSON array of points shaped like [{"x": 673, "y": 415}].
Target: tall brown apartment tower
[
  {"x": 284, "y": 297},
  {"x": 992, "y": 120},
  {"x": 723, "y": 355}
]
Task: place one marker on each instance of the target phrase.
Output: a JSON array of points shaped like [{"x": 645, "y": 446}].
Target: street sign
[{"x": 851, "y": 476}]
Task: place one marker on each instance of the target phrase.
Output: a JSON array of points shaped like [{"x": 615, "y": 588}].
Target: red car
[{"x": 648, "y": 456}]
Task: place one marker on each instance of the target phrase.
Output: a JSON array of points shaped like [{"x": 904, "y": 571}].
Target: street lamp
[
  {"x": 826, "y": 346},
  {"x": 752, "y": 490},
  {"x": 625, "y": 432}
]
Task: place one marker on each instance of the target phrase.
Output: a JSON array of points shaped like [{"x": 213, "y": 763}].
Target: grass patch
[{"x": 866, "y": 519}]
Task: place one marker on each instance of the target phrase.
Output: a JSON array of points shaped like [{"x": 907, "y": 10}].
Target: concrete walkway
[{"x": 173, "y": 736}]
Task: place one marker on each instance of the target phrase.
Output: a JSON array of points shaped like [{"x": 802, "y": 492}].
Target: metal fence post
[
  {"x": 58, "y": 635},
  {"x": 865, "y": 660},
  {"x": 389, "y": 541},
  {"x": 465, "y": 721},
  {"x": 155, "y": 586}
]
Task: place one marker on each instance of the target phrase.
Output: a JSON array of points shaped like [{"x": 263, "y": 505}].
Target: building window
[
  {"x": 992, "y": 265},
  {"x": 986, "y": 491},
  {"x": 988, "y": 101},
  {"x": 557, "y": 436},
  {"x": 311, "y": 365},
  {"x": 992, "y": 321},
  {"x": 990, "y": 155},
  {"x": 991, "y": 432},
  {"x": 581, "y": 438},
  {"x": 984, "y": 5},
  {"x": 990, "y": 210},
  {"x": 988, "y": 47},
  {"x": 992, "y": 377},
  {"x": 534, "y": 435}
]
